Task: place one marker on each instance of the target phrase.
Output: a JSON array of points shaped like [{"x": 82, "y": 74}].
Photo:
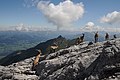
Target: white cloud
[
  {"x": 21, "y": 27},
  {"x": 90, "y": 26},
  {"x": 111, "y": 18},
  {"x": 62, "y": 14}
]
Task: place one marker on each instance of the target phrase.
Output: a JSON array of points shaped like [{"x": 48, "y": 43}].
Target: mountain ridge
[
  {"x": 31, "y": 52},
  {"x": 98, "y": 61}
]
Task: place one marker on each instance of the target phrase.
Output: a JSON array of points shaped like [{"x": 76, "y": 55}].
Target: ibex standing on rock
[
  {"x": 36, "y": 60},
  {"x": 96, "y": 37},
  {"x": 53, "y": 48},
  {"x": 80, "y": 39}
]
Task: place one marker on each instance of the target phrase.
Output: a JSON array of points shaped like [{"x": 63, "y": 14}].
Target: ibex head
[{"x": 39, "y": 51}]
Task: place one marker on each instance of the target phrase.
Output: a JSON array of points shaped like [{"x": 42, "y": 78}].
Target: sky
[{"x": 60, "y": 14}]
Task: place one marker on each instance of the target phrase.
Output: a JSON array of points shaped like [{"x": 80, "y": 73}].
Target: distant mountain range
[{"x": 13, "y": 40}]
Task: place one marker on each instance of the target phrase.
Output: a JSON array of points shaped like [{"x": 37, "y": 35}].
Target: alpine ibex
[
  {"x": 36, "y": 60},
  {"x": 82, "y": 37},
  {"x": 53, "y": 48}
]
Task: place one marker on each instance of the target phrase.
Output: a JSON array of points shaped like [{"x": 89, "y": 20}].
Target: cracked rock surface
[{"x": 18, "y": 71}]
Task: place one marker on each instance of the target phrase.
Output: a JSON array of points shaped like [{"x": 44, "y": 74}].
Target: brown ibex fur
[{"x": 36, "y": 60}]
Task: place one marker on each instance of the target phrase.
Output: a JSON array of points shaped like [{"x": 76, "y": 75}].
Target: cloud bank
[
  {"x": 21, "y": 27},
  {"x": 63, "y": 14},
  {"x": 111, "y": 18},
  {"x": 90, "y": 26}
]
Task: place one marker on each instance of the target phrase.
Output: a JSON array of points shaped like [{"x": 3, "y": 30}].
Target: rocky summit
[{"x": 97, "y": 61}]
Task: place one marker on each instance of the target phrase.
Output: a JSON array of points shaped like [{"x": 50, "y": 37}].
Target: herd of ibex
[{"x": 55, "y": 46}]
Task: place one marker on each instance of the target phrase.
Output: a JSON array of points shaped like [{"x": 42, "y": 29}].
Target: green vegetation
[{"x": 6, "y": 49}]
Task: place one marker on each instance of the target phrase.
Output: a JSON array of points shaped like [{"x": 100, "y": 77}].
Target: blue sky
[{"x": 13, "y": 12}]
